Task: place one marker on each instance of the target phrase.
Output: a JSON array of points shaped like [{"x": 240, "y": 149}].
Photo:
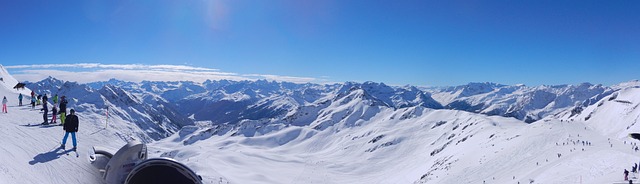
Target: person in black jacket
[
  {"x": 63, "y": 109},
  {"x": 70, "y": 127},
  {"x": 45, "y": 115}
]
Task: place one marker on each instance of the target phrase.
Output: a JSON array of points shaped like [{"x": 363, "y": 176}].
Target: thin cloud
[
  {"x": 114, "y": 66},
  {"x": 282, "y": 78},
  {"x": 138, "y": 72}
]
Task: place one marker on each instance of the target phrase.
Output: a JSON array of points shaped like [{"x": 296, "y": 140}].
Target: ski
[
  {"x": 64, "y": 150},
  {"x": 67, "y": 152}
]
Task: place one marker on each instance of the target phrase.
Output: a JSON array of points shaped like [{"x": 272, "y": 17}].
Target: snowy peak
[
  {"x": 52, "y": 81},
  {"x": 173, "y": 91},
  {"x": 474, "y": 89},
  {"x": 525, "y": 103},
  {"x": 396, "y": 97},
  {"x": 113, "y": 82},
  {"x": 118, "y": 95}
]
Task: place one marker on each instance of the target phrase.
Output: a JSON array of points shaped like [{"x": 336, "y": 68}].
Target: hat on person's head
[{"x": 72, "y": 111}]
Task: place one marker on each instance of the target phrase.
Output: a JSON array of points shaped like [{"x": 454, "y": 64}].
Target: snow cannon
[{"x": 130, "y": 166}]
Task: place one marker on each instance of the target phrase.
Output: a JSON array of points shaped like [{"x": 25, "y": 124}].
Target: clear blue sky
[{"x": 427, "y": 43}]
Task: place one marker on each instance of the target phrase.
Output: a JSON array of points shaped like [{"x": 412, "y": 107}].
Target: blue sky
[{"x": 424, "y": 43}]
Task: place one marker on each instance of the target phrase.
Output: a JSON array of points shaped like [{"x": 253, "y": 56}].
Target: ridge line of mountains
[{"x": 168, "y": 106}]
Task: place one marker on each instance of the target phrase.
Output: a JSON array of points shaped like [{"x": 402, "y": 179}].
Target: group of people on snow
[
  {"x": 59, "y": 107},
  {"x": 634, "y": 169}
]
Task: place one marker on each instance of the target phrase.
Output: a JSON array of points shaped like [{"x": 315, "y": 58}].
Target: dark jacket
[
  {"x": 71, "y": 123},
  {"x": 63, "y": 106}
]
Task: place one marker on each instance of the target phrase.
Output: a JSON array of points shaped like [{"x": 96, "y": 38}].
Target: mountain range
[{"x": 279, "y": 132}]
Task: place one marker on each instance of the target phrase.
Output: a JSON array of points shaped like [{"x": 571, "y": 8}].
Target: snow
[
  {"x": 525, "y": 103},
  {"x": 349, "y": 133}
]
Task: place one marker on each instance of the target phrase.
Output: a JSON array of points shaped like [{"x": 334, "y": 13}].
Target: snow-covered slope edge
[{"x": 615, "y": 115}]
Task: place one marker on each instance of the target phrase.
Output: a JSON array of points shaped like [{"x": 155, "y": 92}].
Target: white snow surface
[{"x": 351, "y": 140}]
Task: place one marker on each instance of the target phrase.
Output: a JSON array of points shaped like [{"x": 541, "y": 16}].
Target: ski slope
[{"x": 29, "y": 151}]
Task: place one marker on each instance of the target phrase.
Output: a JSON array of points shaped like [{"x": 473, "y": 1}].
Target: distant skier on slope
[
  {"x": 54, "y": 112},
  {"x": 63, "y": 109},
  {"x": 33, "y": 102},
  {"x": 20, "y": 99},
  {"x": 71, "y": 127},
  {"x": 45, "y": 115},
  {"x": 626, "y": 175},
  {"x": 4, "y": 105}
]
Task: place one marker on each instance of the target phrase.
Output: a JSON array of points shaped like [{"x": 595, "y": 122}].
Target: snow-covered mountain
[
  {"x": 275, "y": 132},
  {"x": 150, "y": 117},
  {"x": 521, "y": 102},
  {"x": 615, "y": 115},
  {"x": 232, "y": 102},
  {"x": 353, "y": 138}
]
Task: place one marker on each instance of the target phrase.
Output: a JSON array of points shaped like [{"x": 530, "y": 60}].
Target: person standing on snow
[
  {"x": 33, "y": 102},
  {"x": 55, "y": 99},
  {"x": 626, "y": 175},
  {"x": 20, "y": 99},
  {"x": 71, "y": 127},
  {"x": 4, "y": 105},
  {"x": 54, "y": 112},
  {"x": 38, "y": 102},
  {"x": 46, "y": 113},
  {"x": 63, "y": 109}
]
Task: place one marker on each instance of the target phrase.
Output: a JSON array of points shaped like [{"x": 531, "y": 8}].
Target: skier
[
  {"x": 55, "y": 99},
  {"x": 54, "y": 112},
  {"x": 4, "y": 105},
  {"x": 626, "y": 175},
  {"x": 45, "y": 98},
  {"x": 71, "y": 127},
  {"x": 38, "y": 102},
  {"x": 33, "y": 94},
  {"x": 46, "y": 113},
  {"x": 63, "y": 109},
  {"x": 20, "y": 99},
  {"x": 33, "y": 102}
]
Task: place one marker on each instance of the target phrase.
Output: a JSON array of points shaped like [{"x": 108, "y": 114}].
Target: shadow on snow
[
  {"x": 48, "y": 156},
  {"x": 41, "y": 125}
]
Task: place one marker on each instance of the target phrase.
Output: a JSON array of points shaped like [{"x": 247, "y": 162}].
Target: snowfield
[{"x": 353, "y": 133}]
